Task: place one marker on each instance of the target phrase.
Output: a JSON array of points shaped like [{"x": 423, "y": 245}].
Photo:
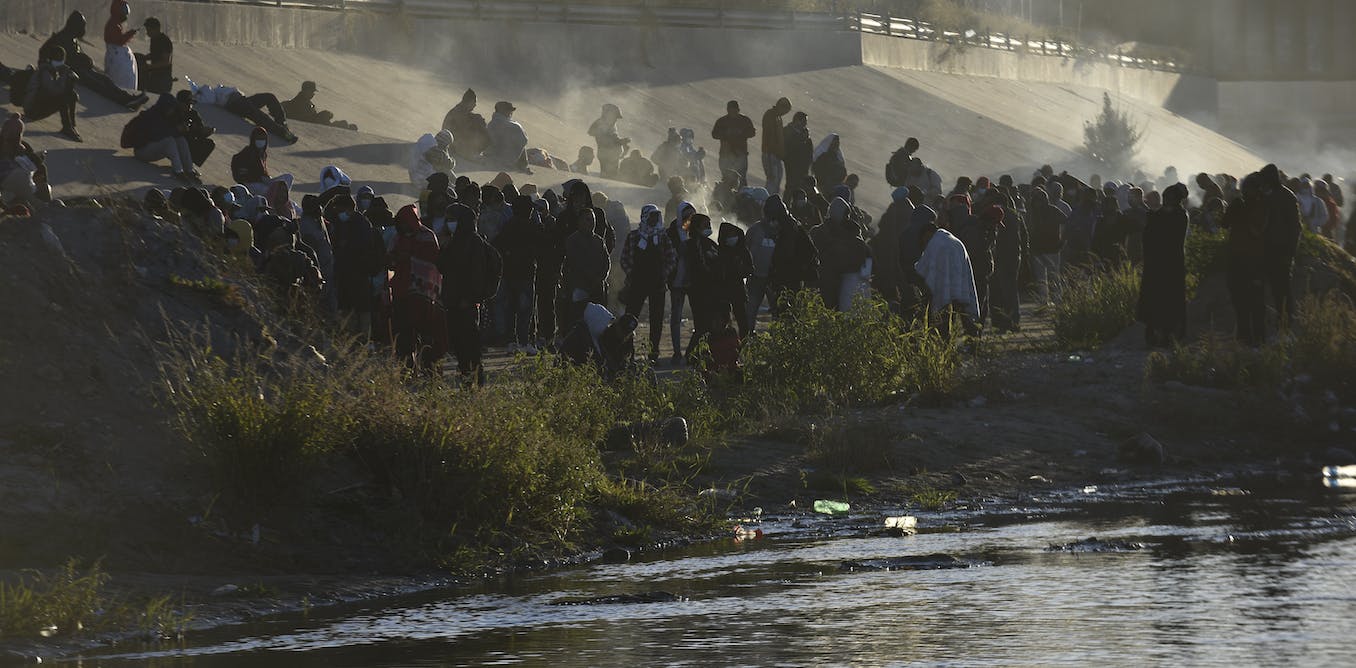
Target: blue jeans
[
  {"x": 775, "y": 171},
  {"x": 515, "y": 301}
]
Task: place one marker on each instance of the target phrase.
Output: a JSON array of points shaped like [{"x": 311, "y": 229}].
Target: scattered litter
[
  {"x": 1040, "y": 479},
  {"x": 743, "y": 533},
  {"x": 1339, "y": 477},
  {"x": 831, "y": 507},
  {"x": 906, "y": 525},
  {"x": 1090, "y": 489}
]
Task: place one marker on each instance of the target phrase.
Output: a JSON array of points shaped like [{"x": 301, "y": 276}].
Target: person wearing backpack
[
  {"x": 158, "y": 133},
  {"x": 897, "y": 169},
  {"x": 51, "y": 90},
  {"x": 471, "y": 270}
]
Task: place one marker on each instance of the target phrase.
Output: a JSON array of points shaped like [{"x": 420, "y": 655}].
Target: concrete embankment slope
[{"x": 968, "y": 124}]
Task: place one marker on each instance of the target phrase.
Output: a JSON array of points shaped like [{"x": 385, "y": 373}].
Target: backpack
[
  {"x": 18, "y": 85},
  {"x": 897, "y": 169}
]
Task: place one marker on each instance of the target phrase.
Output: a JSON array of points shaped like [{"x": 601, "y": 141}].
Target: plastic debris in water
[
  {"x": 831, "y": 507},
  {"x": 1090, "y": 489},
  {"x": 1339, "y": 477},
  {"x": 905, "y": 524},
  {"x": 743, "y": 533}
]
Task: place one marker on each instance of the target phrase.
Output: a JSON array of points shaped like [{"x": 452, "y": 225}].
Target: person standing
[
  {"x": 611, "y": 146},
  {"x": 648, "y": 257},
  {"x": 1283, "y": 231},
  {"x": 799, "y": 151},
  {"x": 586, "y": 267},
  {"x": 518, "y": 244},
  {"x": 119, "y": 62},
  {"x": 829, "y": 166},
  {"x": 1245, "y": 220},
  {"x": 471, "y": 271},
  {"x": 704, "y": 271},
  {"x": 774, "y": 145},
  {"x": 419, "y": 326},
  {"x": 1162, "y": 288},
  {"x": 733, "y": 131},
  {"x": 156, "y": 67}
]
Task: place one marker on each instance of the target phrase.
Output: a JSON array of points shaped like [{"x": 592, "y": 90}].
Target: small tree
[{"x": 1112, "y": 139}]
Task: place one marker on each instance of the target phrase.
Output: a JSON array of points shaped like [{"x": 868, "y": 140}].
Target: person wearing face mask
[
  {"x": 648, "y": 257},
  {"x": 357, "y": 253},
  {"x": 705, "y": 278},
  {"x": 472, "y": 270},
  {"x": 885, "y": 278},
  {"x": 51, "y": 90},
  {"x": 250, "y": 165},
  {"x": 680, "y": 278},
  {"x": 366, "y": 195},
  {"x": 805, "y": 209},
  {"x": 586, "y": 267},
  {"x": 761, "y": 242},
  {"x": 736, "y": 265}
]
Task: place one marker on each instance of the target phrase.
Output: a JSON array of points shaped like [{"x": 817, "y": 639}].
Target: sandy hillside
[{"x": 968, "y": 125}]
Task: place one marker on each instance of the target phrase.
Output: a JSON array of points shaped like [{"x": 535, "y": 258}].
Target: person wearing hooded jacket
[
  {"x": 829, "y": 167},
  {"x": 1047, "y": 242},
  {"x": 914, "y": 294},
  {"x": 1010, "y": 248},
  {"x": 314, "y": 230},
  {"x": 51, "y": 90},
  {"x": 706, "y": 277},
  {"x": 885, "y": 269},
  {"x": 432, "y": 154},
  {"x": 1162, "y": 289},
  {"x": 795, "y": 258},
  {"x": 648, "y": 258},
  {"x": 799, "y": 150},
  {"x": 468, "y": 265},
  {"x": 1245, "y": 220},
  {"x": 736, "y": 265},
  {"x": 586, "y": 267},
  {"x": 519, "y": 243},
  {"x": 69, "y": 38},
  {"x": 774, "y": 144},
  {"x": 680, "y": 280},
  {"x": 249, "y": 166},
  {"x": 980, "y": 235},
  {"x": 469, "y": 130},
  {"x": 418, "y": 320},
  {"x": 1283, "y": 231},
  {"x": 845, "y": 259},
  {"x": 20, "y": 166},
  {"x": 357, "y": 253}
]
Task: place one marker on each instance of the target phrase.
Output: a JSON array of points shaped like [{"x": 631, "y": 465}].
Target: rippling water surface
[{"x": 1223, "y": 578}]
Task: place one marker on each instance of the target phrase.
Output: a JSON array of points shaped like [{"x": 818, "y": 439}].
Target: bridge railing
[{"x": 719, "y": 16}]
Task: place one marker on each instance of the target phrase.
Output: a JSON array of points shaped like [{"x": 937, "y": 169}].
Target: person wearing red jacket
[
  {"x": 119, "y": 61},
  {"x": 419, "y": 321}
]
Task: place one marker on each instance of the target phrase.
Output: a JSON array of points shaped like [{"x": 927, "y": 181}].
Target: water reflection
[{"x": 1246, "y": 579}]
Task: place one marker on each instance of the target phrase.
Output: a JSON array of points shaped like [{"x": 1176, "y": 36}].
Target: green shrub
[
  {"x": 813, "y": 358},
  {"x": 1219, "y": 361},
  {"x": 1095, "y": 306},
  {"x": 1112, "y": 139}
]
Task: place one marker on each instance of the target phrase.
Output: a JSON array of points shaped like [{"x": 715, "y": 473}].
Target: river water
[{"x": 1194, "y": 573}]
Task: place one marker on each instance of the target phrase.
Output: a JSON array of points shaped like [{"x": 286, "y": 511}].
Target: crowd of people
[{"x": 500, "y": 263}]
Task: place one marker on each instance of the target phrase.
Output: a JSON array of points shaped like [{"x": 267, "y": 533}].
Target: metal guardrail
[{"x": 566, "y": 11}]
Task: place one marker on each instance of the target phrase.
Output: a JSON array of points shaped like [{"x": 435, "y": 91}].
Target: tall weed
[{"x": 1095, "y": 305}]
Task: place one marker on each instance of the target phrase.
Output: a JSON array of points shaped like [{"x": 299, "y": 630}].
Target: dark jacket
[
  {"x": 795, "y": 260},
  {"x": 250, "y": 165},
  {"x": 69, "y": 38},
  {"x": 519, "y": 240},
  {"x": 602, "y": 227},
  {"x": 358, "y": 255},
  {"x": 1162, "y": 293},
  {"x": 466, "y": 263},
  {"x": 800, "y": 153},
  {"x": 586, "y": 265},
  {"x": 734, "y": 133},
  {"x": 151, "y": 125},
  {"x": 1047, "y": 224},
  {"x": 648, "y": 269},
  {"x": 735, "y": 260}
]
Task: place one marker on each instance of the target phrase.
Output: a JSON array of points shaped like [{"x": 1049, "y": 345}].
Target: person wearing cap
[
  {"x": 156, "y": 67},
  {"x": 51, "y": 90},
  {"x": 798, "y": 151},
  {"x": 302, "y": 108},
  {"x": 611, "y": 146},
  {"x": 197, "y": 132},
  {"x": 774, "y": 144},
  {"x": 733, "y": 131},
  {"x": 508, "y": 140}
]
